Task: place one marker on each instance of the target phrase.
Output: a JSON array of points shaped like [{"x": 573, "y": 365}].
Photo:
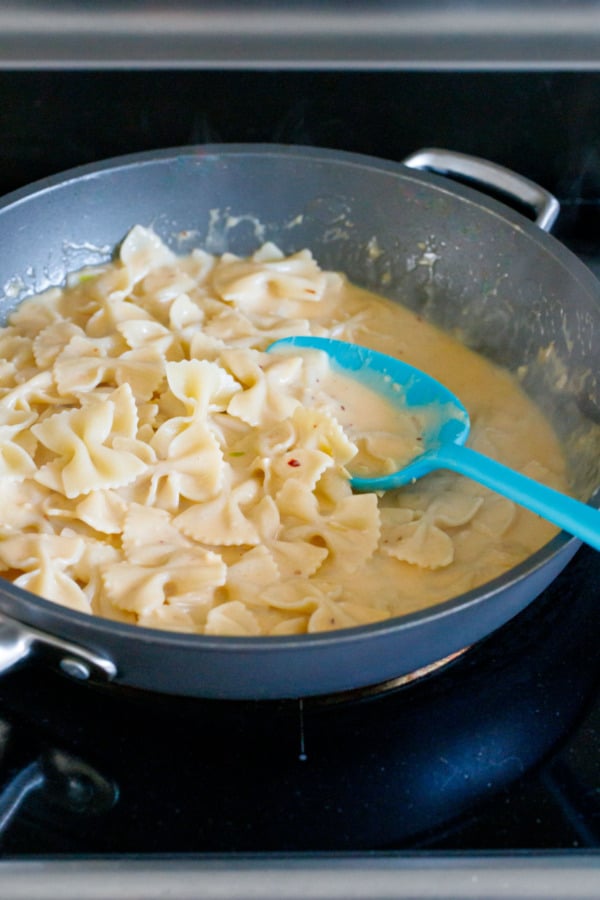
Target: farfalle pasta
[{"x": 159, "y": 468}]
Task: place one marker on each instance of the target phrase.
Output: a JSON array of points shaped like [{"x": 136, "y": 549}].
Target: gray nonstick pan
[{"x": 464, "y": 261}]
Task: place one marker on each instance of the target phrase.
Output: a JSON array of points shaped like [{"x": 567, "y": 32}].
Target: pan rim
[{"x": 444, "y": 185}]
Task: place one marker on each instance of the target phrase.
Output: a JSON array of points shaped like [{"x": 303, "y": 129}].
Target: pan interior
[{"x": 463, "y": 262}]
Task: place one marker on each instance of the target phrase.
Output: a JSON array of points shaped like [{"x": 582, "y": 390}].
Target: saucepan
[{"x": 463, "y": 260}]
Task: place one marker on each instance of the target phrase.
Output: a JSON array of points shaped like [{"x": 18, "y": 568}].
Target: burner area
[{"x": 487, "y": 740}]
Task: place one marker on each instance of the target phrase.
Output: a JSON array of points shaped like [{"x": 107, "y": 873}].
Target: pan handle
[
  {"x": 19, "y": 643},
  {"x": 486, "y": 174}
]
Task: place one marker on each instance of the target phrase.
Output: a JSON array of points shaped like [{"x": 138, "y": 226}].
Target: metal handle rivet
[{"x": 75, "y": 668}]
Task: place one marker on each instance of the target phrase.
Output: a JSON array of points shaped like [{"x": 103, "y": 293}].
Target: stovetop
[{"x": 497, "y": 753}]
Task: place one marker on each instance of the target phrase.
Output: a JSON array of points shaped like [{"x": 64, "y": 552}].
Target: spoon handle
[{"x": 577, "y": 518}]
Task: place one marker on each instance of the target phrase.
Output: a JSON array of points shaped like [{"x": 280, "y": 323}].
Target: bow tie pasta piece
[
  {"x": 52, "y": 340},
  {"x": 45, "y": 560},
  {"x": 423, "y": 540},
  {"x": 83, "y": 362},
  {"x": 268, "y": 386},
  {"x": 362, "y": 613},
  {"x": 300, "y": 595},
  {"x": 185, "y": 315},
  {"x": 223, "y": 520},
  {"x": 86, "y": 363},
  {"x": 146, "y": 531},
  {"x": 144, "y": 285},
  {"x": 169, "y": 618},
  {"x": 150, "y": 538},
  {"x": 23, "y": 506},
  {"x": 234, "y": 329},
  {"x": 298, "y": 464},
  {"x": 161, "y": 568},
  {"x": 271, "y": 282},
  {"x": 318, "y": 430},
  {"x": 113, "y": 311},
  {"x": 16, "y": 462},
  {"x": 25, "y": 551},
  {"x": 231, "y": 328},
  {"x": 495, "y": 516},
  {"x": 387, "y": 451},
  {"x": 103, "y": 510},
  {"x": 162, "y": 287},
  {"x": 232, "y": 619},
  {"x": 142, "y": 251},
  {"x": 113, "y": 305},
  {"x": 350, "y": 532},
  {"x": 30, "y": 393},
  {"x": 142, "y": 369},
  {"x": 309, "y": 605},
  {"x": 139, "y": 333},
  {"x": 254, "y": 581},
  {"x": 330, "y": 615},
  {"x": 290, "y": 625},
  {"x": 135, "y": 589},
  {"x": 275, "y": 439},
  {"x": 53, "y": 584},
  {"x": 299, "y": 558},
  {"x": 250, "y": 575},
  {"x": 202, "y": 387},
  {"x": 125, "y": 415},
  {"x": 332, "y": 488},
  {"x": 203, "y": 346},
  {"x": 152, "y": 544},
  {"x": 81, "y": 440},
  {"x": 17, "y": 349},
  {"x": 7, "y": 376},
  {"x": 35, "y": 314},
  {"x": 190, "y": 464},
  {"x": 96, "y": 556},
  {"x": 187, "y": 575},
  {"x": 301, "y": 448}
]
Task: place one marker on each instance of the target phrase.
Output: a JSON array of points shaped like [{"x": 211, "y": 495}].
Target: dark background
[{"x": 545, "y": 125}]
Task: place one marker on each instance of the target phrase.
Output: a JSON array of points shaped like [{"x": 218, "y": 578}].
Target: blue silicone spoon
[{"x": 443, "y": 441}]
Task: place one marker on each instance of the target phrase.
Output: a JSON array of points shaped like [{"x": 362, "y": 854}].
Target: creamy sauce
[{"x": 159, "y": 468}]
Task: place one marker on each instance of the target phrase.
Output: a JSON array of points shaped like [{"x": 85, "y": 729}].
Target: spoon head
[{"x": 404, "y": 386}]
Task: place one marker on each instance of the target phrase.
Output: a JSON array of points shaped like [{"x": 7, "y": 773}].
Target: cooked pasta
[{"x": 159, "y": 468}]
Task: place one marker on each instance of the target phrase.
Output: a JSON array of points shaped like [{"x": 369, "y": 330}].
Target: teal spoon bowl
[{"x": 444, "y": 439}]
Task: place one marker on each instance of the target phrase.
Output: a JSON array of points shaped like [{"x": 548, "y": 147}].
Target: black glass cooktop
[{"x": 500, "y": 750}]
